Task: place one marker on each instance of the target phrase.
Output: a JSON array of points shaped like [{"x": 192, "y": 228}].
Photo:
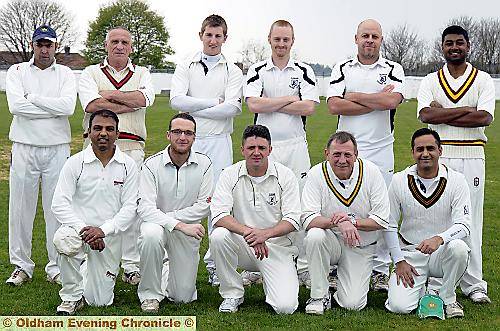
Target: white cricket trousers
[
  {"x": 130, "y": 250},
  {"x": 474, "y": 172},
  {"x": 91, "y": 273},
  {"x": 279, "y": 275},
  {"x": 183, "y": 253},
  {"x": 219, "y": 148},
  {"x": 294, "y": 154},
  {"x": 354, "y": 268},
  {"x": 31, "y": 166},
  {"x": 449, "y": 261},
  {"x": 384, "y": 160}
]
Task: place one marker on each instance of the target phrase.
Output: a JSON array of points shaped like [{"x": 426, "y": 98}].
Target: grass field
[{"x": 41, "y": 298}]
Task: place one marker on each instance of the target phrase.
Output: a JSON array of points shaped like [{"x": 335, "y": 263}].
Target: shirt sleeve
[
  {"x": 398, "y": 80},
  {"x": 188, "y": 104},
  {"x": 146, "y": 87},
  {"x": 64, "y": 104},
  {"x": 222, "y": 200},
  {"x": 88, "y": 90},
  {"x": 379, "y": 199},
  {"x": 201, "y": 208},
  {"x": 486, "y": 99},
  {"x": 390, "y": 234},
  {"x": 62, "y": 201},
  {"x": 424, "y": 95},
  {"x": 311, "y": 199},
  {"x": 460, "y": 212},
  {"x": 290, "y": 199},
  {"x": 128, "y": 212},
  {"x": 16, "y": 96},
  {"x": 148, "y": 194},
  {"x": 308, "y": 87},
  {"x": 336, "y": 86},
  {"x": 255, "y": 85}
]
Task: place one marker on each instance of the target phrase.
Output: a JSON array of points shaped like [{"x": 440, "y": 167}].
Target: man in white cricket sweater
[
  {"x": 458, "y": 102},
  {"x": 344, "y": 204},
  {"x": 209, "y": 87},
  {"x": 41, "y": 95},
  {"x": 433, "y": 203},
  {"x": 175, "y": 192},
  {"x": 126, "y": 89}
]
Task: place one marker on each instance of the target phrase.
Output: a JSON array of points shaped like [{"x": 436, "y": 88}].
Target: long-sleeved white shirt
[
  {"x": 41, "y": 102},
  {"x": 168, "y": 195},
  {"x": 441, "y": 210},
  {"x": 258, "y": 205},
  {"x": 196, "y": 89},
  {"x": 89, "y": 194}
]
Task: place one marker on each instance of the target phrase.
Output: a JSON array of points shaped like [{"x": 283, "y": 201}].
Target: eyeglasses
[{"x": 178, "y": 132}]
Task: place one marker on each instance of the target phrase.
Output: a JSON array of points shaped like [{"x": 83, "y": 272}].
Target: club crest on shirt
[
  {"x": 476, "y": 181},
  {"x": 294, "y": 82},
  {"x": 382, "y": 79},
  {"x": 466, "y": 210},
  {"x": 271, "y": 200}
]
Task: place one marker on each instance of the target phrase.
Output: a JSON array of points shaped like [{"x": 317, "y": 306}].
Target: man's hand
[
  {"x": 90, "y": 234},
  {"x": 340, "y": 217},
  {"x": 261, "y": 251},
  {"x": 98, "y": 245},
  {"x": 388, "y": 88},
  {"x": 435, "y": 104},
  {"x": 193, "y": 230},
  {"x": 350, "y": 234},
  {"x": 109, "y": 94},
  {"x": 404, "y": 273},
  {"x": 429, "y": 246},
  {"x": 255, "y": 237}
]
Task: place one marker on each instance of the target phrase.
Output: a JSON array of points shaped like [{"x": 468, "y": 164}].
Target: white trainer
[
  {"x": 230, "y": 305},
  {"x": 212, "y": 277},
  {"x": 318, "y": 306},
  {"x": 454, "y": 310},
  {"x": 304, "y": 279},
  {"x": 479, "y": 297},
  {"x": 70, "y": 307},
  {"x": 132, "y": 278},
  {"x": 18, "y": 277},
  {"x": 380, "y": 282},
  {"x": 251, "y": 277},
  {"x": 150, "y": 306}
]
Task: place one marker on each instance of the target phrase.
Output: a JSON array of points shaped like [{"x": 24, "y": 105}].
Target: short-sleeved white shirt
[
  {"x": 373, "y": 130},
  {"x": 264, "y": 79},
  {"x": 365, "y": 196},
  {"x": 474, "y": 88},
  {"x": 224, "y": 81},
  {"x": 258, "y": 204}
]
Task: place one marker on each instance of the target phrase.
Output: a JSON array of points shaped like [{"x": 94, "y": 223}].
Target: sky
[{"x": 324, "y": 29}]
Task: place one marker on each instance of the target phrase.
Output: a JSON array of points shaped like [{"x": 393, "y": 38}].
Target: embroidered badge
[
  {"x": 272, "y": 199},
  {"x": 294, "y": 82},
  {"x": 476, "y": 181},
  {"x": 382, "y": 79}
]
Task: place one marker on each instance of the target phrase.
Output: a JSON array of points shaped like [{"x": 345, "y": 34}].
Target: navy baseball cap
[{"x": 45, "y": 32}]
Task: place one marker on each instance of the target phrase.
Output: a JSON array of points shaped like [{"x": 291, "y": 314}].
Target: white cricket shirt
[
  {"x": 41, "y": 102},
  {"x": 169, "y": 195}
]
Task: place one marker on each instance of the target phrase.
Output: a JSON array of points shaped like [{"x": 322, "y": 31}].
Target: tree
[
  {"x": 253, "y": 51},
  {"x": 149, "y": 33},
  {"x": 19, "y": 18},
  {"x": 404, "y": 46}
]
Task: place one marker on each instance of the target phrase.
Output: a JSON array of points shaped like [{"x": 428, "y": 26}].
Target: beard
[{"x": 457, "y": 60}]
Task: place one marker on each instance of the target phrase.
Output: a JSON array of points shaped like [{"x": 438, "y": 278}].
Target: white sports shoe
[
  {"x": 380, "y": 281},
  {"x": 55, "y": 280},
  {"x": 212, "y": 277},
  {"x": 230, "y": 305},
  {"x": 18, "y": 277},
  {"x": 333, "y": 279},
  {"x": 304, "y": 279},
  {"x": 251, "y": 277},
  {"x": 479, "y": 297},
  {"x": 318, "y": 306},
  {"x": 454, "y": 310},
  {"x": 70, "y": 307},
  {"x": 132, "y": 278},
  {"x": 150, "y": 306}
]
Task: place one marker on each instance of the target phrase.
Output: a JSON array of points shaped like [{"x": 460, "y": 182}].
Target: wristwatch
[{"x": 352, "y": 218}]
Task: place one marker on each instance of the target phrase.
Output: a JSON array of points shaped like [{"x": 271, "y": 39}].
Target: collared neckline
[
  {"x": 380, "y": 62},
  {"x": 442, "y": 172},
  {"x": 105, "y": 64},
  {"x": 89, "y": 155},
  {"x": 52, "y": 66},
  {"x": 270, "y": 64},
  {"x": 198, "y": 57},
  {"x": 192, "y": 158},
  {"x": 354, "y": 174},
  {"x": 271, "y": 170},
  {"x": 465, "y": 74}
]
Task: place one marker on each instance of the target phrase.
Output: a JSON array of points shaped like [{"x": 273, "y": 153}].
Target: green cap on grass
[{"x": 430, "y": 306}]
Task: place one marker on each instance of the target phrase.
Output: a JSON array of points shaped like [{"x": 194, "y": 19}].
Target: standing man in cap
[
  {"x": 41, "y": 95},
  {"x": 95, "y": 201},
  {"x": 364, "y": 92},
  {"x": 126, "y": 89},
  {"x": 209, "y": 87}
]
